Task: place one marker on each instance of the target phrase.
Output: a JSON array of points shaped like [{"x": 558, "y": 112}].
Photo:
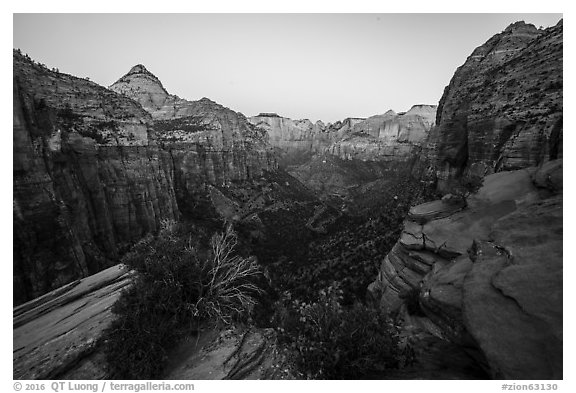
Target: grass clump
[{"x": 180, "y": 284}]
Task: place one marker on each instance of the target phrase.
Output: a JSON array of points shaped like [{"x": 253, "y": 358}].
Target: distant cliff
[
  {"x": 373, "y": 139},
  {"x": 391, "y": 137},
  {"x": 296, "y": 141},
  {"x": 503, "y": 107}
]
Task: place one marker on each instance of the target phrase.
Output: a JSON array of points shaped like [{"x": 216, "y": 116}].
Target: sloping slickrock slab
[
  {"x": 234, "y": 354},
  {"x": 513, "y": 294},
  {"x": 55, "y": 335}
]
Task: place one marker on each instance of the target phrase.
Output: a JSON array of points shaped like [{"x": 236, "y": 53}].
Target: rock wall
[
  {"x": 206, "y": 143},
  {"x": 95, "y": 170},
  {"x": 296, "y": 141},
  {"x": 384, "y": 137},
  {"x": 391, "y": 137},
  {"x": 89, "y": 178},
  {"x": 488, "y": 273},
  {"x": 503, "y": 108},
  {"x": 409, "y": 127}
]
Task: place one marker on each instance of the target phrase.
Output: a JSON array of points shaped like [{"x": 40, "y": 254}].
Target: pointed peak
[
  {"x": 138, "y": 69},
  {"x": 390, "y": 112},
  {"x": 138, "y": 81}
]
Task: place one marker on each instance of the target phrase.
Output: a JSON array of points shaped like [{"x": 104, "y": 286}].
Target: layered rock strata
[
  {"x": 338, "y": 158},
  {"x": 377, "y": 138},
  {"x": 206, "y": 143},
  {"x": 488, "y": 273},
  {"x": 503, "y": 107},
  {"x": 296, "y": 141},
  {"x": 89, "y": 178}
]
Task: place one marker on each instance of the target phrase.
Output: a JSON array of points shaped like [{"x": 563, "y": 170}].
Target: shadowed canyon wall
[
  {"x": 94, "y": 172},
  {"x": 89, "y": 178}
]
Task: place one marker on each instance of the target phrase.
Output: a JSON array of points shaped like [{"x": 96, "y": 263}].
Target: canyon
[
  {"x": 477, "y": 273},
  {"x": 336, "y": 159}
]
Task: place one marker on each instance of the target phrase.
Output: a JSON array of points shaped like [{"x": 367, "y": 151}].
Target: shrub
[
  {"x": 178, "y": 287},
  {"x": 335, "y": 342},
  {"x": 230, "y": 290}
]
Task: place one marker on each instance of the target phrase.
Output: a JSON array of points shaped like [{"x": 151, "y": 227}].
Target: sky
[{"x": 316, "y": 66}]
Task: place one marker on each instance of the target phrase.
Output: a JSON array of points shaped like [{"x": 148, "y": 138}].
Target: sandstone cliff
[
  {"x": 390, "y": 137},
  {"x": 376, "y": 138},
  {"x": 297, "y": 141},
  {"x": 366, "y": 150},
  {"x": 488, "y": 273},
  {"x": 89, "y": 178},
  {"x": 503, "y": 108},
  {"x": 206, "y": 143}
]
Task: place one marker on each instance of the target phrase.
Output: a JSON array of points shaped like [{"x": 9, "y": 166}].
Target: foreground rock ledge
[
  {"x": 489, "y": 276},
  {"x": 55, "y": 335}
]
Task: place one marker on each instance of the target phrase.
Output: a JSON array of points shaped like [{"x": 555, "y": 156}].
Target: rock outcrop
[
  {"x": 488, "y": 273},
  {"x": 89, "y": 178},
  {"x": 232, "y": 354},
  {"x": 56, "y": 335},
  {"x": 503, "y": 108}
]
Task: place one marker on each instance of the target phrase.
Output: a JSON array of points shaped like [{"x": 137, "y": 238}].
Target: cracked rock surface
[
  {"x": 489, "y": 275},
  {"x": 55, "y": 335}
]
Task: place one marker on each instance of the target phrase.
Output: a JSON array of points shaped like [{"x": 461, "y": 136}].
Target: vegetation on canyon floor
[{"x": 189, "y": 277}]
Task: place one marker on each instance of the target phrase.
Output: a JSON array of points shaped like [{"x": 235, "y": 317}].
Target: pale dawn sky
[{"x": 315, "y": 66}]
